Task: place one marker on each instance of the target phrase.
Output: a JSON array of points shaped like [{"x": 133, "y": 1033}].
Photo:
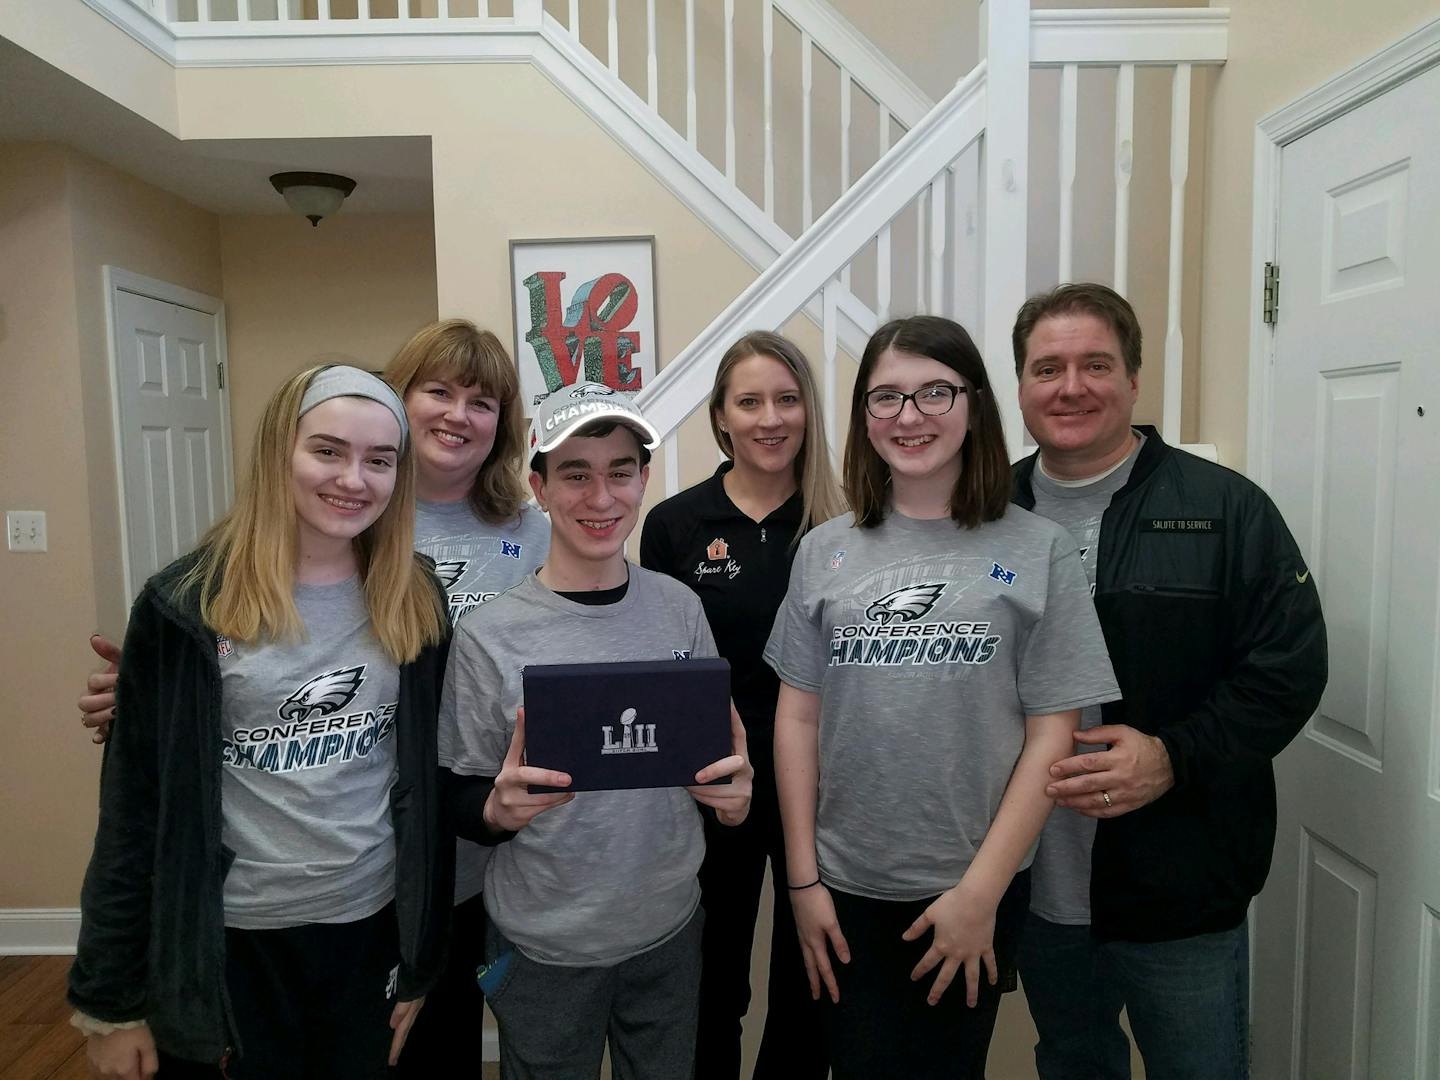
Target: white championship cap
[{"x": 571, "y": 408}]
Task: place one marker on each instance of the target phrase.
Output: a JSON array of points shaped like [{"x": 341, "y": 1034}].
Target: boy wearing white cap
[{"x": 593, "y": 898}]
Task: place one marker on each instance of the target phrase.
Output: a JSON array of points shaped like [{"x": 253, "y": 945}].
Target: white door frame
[
  {"x": 117, "y": 280},
  {"x": 1412, "y": 55}
]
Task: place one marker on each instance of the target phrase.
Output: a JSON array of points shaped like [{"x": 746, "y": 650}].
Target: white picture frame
[{"x": 584, "y": 310}]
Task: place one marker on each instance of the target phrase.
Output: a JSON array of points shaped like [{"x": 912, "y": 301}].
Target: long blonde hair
[
  {"x": 819, "y": 494},
  {"x": 246, "y": 569},
  {"x": 459, "y": 351}
]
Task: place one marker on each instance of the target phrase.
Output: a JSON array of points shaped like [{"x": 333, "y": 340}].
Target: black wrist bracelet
[{"x": 797, "y": 888}]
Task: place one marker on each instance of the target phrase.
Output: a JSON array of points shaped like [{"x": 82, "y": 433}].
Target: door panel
[
  {"x": 172, "y": 429},
  {"x": 1345, "y": 941}
]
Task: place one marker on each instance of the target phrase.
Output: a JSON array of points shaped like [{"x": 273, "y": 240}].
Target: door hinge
[
  {"x": 1271, "y": 298},
  {"x": 220, "y": 370}
]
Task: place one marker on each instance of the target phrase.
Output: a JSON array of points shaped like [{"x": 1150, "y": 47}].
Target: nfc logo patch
[
  {"x": 1000, "y": 574},
  {"x": 509, "y": 549}
]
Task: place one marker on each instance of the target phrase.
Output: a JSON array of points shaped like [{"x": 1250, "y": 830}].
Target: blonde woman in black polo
[{"x": 732, "y": 538}]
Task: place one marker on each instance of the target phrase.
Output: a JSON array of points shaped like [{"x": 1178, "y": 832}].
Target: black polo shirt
[{"x": 739, "y": 568}]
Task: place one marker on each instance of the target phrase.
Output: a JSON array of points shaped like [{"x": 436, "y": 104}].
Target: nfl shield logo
[
  {"x": 223, "y": 646},
  {"x": 837, "y": 559}
]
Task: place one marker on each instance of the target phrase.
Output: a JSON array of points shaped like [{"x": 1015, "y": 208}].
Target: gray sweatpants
[{"x": 555, "y": 1020}]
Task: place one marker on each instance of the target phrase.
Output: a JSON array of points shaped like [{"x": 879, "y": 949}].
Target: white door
[
  {"x": 173, "y": 429},
  {"x": 1347, "y": 951}
]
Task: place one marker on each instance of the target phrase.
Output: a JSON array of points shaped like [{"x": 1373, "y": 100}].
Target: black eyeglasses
[{"x": 937, "y": 399}]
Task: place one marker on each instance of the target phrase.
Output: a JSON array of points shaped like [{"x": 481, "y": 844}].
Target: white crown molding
[
  {"x": 140, "y": 25},
  {"x": 39, "y": 931},
  {"x": 806, "y": 266},
  {"x": 1408, "y": 57},
  {"x": 1129, "y": 36},
  {"x": 1412, "y": 55}
]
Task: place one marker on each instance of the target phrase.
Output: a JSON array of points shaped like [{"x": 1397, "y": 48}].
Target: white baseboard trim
[{"x": 39, "y": 931}]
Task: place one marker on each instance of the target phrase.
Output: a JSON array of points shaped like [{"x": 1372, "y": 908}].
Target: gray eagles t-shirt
[
  {"x": 308, "y": 753},
  {"x": 612, "y": 873},
  {"x": 477, "y": 561},
  {"x": 1060, "y": 875},
  {"x": 929, "y": 644}
]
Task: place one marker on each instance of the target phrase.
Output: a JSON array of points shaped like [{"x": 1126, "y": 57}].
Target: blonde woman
[
  {"x": 462, "y": 398},
  {"x": 462, "y": 402},
  {"x": 732, "y": 539},
  {"x": 269, "y": 886}
]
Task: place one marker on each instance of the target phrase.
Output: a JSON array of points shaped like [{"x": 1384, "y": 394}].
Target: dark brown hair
[
  {"x": 983, "y": 490},
  {"x": 596, "y": 429},
  {"x": 1088, "y": 298}
]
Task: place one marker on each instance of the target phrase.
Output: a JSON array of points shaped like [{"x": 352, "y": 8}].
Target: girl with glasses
[{"x": 934, "y": 649}]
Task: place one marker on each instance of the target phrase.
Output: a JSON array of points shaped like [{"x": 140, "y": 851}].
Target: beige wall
[
  {"x": 61, "y": 217},
  {"x": 559, "y": 175},
  {"x": 350, "y": 290},
  {"x": 117, "y": 220},
  {"x": 82, "y": 43},
  {"x": 1279, "y": 49}
]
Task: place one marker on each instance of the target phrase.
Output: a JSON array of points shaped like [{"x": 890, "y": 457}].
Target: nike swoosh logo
[{"x": 1302, "y": 578}]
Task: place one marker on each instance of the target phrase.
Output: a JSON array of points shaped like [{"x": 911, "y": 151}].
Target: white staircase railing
[
  {"x": 903, "y": 237},
  {"x": 812, "y": 265},
  {"x": 770, "y": 47}
]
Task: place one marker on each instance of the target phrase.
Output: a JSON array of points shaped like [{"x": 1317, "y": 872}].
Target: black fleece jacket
[
  {"x": 152, "y": 932},
  {"x": 1213, "y": 624}
]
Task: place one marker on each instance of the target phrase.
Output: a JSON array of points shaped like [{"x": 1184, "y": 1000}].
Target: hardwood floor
[{"x": 36, "y": 1040}]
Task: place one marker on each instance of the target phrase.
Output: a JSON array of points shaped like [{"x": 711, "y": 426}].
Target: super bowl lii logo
[
  {"x": 585, "y": 340},
  {"x": 634, "y": 738}
]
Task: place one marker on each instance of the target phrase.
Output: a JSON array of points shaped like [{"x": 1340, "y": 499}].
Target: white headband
[{"x": 343, "y": 381}]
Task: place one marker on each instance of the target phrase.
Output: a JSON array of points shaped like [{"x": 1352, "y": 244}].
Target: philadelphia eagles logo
[
  {"x": 449, "y": 571},
  {"x": 592, "y": 391},
  {"x": 905, "y": 605},
  {"x": 323, "y": 695}
]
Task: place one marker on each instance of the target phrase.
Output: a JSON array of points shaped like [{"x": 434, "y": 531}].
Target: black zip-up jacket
[
  {"x": 740, "y": 570},
  {"x": 152, "y": 931},
  {"x": 1213, "y": 624}
]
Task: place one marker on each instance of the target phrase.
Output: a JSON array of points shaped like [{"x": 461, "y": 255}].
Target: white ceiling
[{"x": 40, "y": 103}]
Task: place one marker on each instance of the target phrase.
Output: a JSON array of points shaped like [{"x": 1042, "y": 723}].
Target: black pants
[
  {"x": 792, "y": 1046},
  {"x": 443, "y": 1041},
  {"x": 883, "y": 1026},
  {"x": 310, "y": 1002}
]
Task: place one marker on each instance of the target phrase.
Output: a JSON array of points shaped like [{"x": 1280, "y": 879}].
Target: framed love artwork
[{"x": 584, "y": 311}]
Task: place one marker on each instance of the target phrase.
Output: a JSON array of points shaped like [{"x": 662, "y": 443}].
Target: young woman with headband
[
  {"x": 269, "y": 886},
  {"x": 462, "y": 400}
]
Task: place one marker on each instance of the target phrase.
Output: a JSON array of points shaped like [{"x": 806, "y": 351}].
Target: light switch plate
[{"x": 25, "y": 530}]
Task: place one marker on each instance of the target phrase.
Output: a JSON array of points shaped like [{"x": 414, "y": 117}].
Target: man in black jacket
[{"x": 1213, "y": 624}]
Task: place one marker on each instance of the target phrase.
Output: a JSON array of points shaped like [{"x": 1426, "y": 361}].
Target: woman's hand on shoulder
[
  {"x": 123, "y": 1054},
  {"x": 97, "y": 706},
  {"x": 964, "y": 926}
]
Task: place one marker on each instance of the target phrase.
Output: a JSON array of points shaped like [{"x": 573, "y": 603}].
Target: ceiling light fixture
[{"x": 313, "y": 194}]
